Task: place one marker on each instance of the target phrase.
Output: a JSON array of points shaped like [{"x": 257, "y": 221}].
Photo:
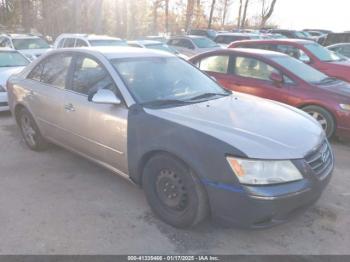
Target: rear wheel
[
  {"x": 30, "y": 131},
  {"x": 323, "y": 117},
  {"x": 174, "y": 192}
]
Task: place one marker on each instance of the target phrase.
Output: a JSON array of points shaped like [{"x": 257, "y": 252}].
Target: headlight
[
  {"x": 345, "y": 107},
  {"x": 2, "y": 89},
  {"x": 260, "y": 172}
]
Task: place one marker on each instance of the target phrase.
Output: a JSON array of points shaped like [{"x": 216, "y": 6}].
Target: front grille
[
  {"x": 321, "y": 160},
  {"x": 3, "y": 104}
]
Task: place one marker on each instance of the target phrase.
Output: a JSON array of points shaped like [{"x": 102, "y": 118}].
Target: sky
[{"x": 300, "y": 14}]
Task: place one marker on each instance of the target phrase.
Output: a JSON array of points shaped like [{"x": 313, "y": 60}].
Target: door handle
[{"x": 69, "y": 107}]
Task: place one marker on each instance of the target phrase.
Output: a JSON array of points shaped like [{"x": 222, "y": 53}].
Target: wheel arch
[
  {"x": 303, "y": 105},
  {"x": 148, "y": 155}
]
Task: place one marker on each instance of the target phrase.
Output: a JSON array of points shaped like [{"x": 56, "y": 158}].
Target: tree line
[{"x": 131, "y": 18}]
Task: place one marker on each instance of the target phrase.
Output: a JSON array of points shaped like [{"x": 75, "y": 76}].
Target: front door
[{"x": 99, "y": 131}]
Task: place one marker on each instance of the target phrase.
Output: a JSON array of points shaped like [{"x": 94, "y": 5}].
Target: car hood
[
  {"x": 260, "y": 128},
  {"x": 6, "y": 72},
  {"x": 337, "y": 87}
]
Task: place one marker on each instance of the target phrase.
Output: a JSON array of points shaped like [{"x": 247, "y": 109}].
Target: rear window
[
  {"x": 30, "y": 43},
  {"x": 108, "y": 43},
  {"x": 204, "y": 42}
]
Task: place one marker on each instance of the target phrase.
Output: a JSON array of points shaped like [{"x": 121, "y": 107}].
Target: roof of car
[
  {"x": 118, "y": 52},
  {"x": 339, "y": 44},
  {"x": 22, "y": 36},
  {"x": 90, "y": 36},
  {"x": 188, "y": 36},
  {"x": 248, "y": 51},
  {"x": 146, "y": 42},
  {"x": 278, "y": 41},
  {"x": 236, "y": 34},
  {"x": 7, "y": 49}
]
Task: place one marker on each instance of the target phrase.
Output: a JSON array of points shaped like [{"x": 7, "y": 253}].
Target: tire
[
  {"x": 30, "y": 131},
  {"x": 174, "y": 192},
  {"x": 324, "y": 117}
]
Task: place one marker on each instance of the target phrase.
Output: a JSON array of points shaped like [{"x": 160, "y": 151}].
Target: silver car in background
[
  {"x": 11, "y": 62},
  {"x": 191, "y": 45},
  {"x": 195, "y": 148}
]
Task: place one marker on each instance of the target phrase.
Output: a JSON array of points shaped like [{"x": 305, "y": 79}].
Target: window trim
[
  {"x": 73, "y": 68},
  {"x": 45, "y": 61}
]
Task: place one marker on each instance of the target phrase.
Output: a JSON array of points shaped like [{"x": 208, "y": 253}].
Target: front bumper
[
  {"x": 266, "y": 206},
  {"x": 4, "y": 102}
]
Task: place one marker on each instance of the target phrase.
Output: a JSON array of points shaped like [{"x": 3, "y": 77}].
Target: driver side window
[
  {"x": 253, "y": 68},
  {"x": 89, "y": 77}
]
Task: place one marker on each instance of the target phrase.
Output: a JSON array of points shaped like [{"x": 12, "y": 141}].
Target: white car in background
[
  {"x": 30, "y": 45},
  {"x": 191, "y": 45},
  {"x": 11, "y": 62},
  {"x": 86, "y": 40}
]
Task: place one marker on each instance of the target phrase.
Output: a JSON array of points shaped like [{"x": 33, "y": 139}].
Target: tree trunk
[
  {"x": 224, "y": 12},
  {"x": 266, "y": 15},
  {"x": 26, "y": 15},
  {"x": 155, "y": 17},
  {"x": 189, "y": 14},
  {"x": 211, "y": 13},
  {"x": 98, "y": 16},
  {"x": 239, "y": 14},
  {"x": 245, "y": 13},
  {"x": 167, "y": 16}
]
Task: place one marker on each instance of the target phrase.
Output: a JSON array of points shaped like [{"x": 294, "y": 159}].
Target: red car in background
[
  {"x": 279, "y": 77},
  {"x": 306, "y": 51}
]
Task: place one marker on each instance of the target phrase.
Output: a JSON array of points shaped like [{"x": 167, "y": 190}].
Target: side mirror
[
  {"x": 276, "y": 78},
  {"x": 104, "y": 96}
]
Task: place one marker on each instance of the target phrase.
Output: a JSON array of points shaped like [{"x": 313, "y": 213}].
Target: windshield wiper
[
  {"x": 205, "y": 95},
  {"x": 328, "y": 80},
  {"x": 164, "y": 102}
]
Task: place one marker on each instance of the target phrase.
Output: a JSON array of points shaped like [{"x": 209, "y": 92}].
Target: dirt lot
[{"x": 55, "y": 202}]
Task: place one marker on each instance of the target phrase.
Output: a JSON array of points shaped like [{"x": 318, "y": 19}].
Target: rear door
[
  {"x": 97, "y": 131},
  {"x": 45, "y": 86}
]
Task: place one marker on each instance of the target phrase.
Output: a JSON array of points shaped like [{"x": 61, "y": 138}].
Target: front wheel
[
  {"x": 174, "y": 192},
  {"x": 323, "y": 117},
  {"x": 30, "y": 131}
]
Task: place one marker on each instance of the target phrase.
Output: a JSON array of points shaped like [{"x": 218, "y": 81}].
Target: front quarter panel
[{"x": 206, "y": 155}]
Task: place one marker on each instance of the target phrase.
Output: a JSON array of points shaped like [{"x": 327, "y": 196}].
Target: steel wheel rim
[
  {"x": 319, "y": 118},
  {"x": 28, "y": 130},
  {"x": 171, "y": 190}
]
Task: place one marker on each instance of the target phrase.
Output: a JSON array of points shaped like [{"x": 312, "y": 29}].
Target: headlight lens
[
  {"x": 2, "y": 89},
  {"x": 345, "y": 107},
  {"x": 260, "y": 172}
]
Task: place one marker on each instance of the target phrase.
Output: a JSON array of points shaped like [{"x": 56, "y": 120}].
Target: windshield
[
  {"x": 322, "y": 53},
  {"x": 30, "y": 43},
  {"x": 107, "y": 42},
  {"x": 300, "y": 69},
  {"x": 204, "y": 42},
  {"x": 163, "y": 47},
  {"x": 300, "y": 34},
  {"x": 12, "y": 59},
  {"x": 164, "y": 78}
]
